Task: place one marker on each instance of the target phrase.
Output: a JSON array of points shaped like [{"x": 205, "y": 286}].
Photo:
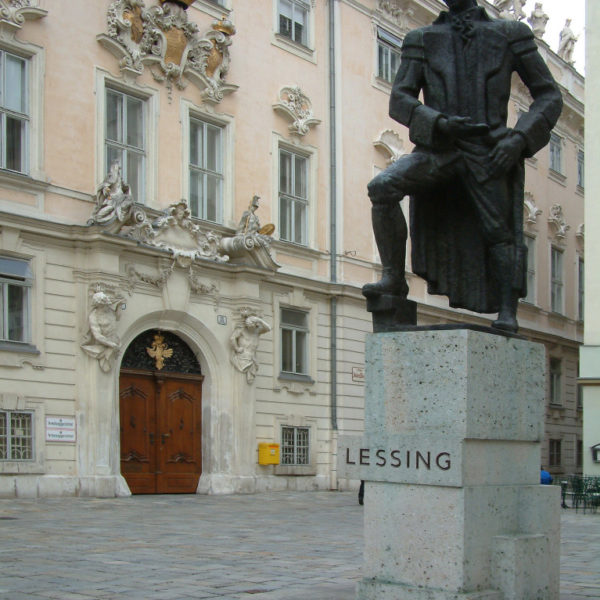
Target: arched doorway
[{"x": 160, "y": 407}]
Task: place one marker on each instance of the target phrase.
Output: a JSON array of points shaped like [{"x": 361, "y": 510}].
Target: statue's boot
[
  {"x": 503, "y": 263},
  {"x": 389, "y": 227}
]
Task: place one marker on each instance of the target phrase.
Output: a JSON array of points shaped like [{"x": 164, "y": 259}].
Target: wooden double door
[{"x": 161, "y": 431}]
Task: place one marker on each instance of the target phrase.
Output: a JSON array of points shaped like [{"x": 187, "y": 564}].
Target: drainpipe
[{"x": 333, "y": 211}]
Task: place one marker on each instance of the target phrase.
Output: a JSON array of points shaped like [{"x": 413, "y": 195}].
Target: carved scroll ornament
[
  {"x": 169, "y": 44},
  {"x": 557, "y": 219},
  {"x": 296, "y": 106},
  {"x": 14, "y": 13}
]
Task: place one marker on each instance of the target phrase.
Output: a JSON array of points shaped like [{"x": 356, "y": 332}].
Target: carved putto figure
[
  {"x": 113, "y": 199},
  {"x": 538, "y": 20},
  {"x": 251, "y": 240},
  {"x": 244, "y": 342},
  {"x": 101, "y": 341},
  {"x": 567, "y": 43}
]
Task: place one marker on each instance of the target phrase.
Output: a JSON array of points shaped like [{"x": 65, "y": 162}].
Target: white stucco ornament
[
  {"x": 14, "y": 13},
  {"x": 244, "y": 342},
  {"x": 557, "y": 219},
  {"x": 511, "y": 9},
  {"x": 530, "y": 209},
  {"x": 163, "y": 39},
  {"x": 538, "y": 20},
  {"x": 567, "y": 42},
  {"x": 102, "y": 341},
  {"x": 391, "y": 143},
  {"x": 251, "y": 243},
  {"x": 294, "y": 104}
]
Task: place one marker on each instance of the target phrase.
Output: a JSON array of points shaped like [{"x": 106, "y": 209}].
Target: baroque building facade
[{"x": 185, "y": 230}]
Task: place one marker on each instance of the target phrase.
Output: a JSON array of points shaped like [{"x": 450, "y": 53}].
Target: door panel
[
  {"x": 180, "y": 426},
  {"x": 137, "y": 404},
  {"x": 161, "y": 429}
]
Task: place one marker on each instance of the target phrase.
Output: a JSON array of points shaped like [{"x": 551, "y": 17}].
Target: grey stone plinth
[{"x": 451, "y": 459}]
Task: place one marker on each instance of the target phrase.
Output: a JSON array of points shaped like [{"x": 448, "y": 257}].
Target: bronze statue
[{"x": 465, "y": 176}]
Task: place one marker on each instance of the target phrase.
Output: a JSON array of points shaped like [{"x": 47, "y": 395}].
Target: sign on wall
[{"x": 60, "y": 429}]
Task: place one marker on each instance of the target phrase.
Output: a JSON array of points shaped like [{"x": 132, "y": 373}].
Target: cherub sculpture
[{"x": 113, "y": 199}]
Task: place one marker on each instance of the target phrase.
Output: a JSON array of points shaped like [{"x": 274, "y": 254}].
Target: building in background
[{"x": 150, "y": 344}]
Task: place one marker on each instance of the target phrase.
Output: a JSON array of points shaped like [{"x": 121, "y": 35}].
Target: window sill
[
  {"x": 19, "y": 347},
  {"x": 23, "y": 180},
  {"x": 559, "y": 407},
  {"x": 558, "y": 177},
  {"x": 298, "y": 470},
  {"x": 212, "y": 8},
  {"x": 285, "y": 43},
  {"x": 295, "y": 377},
  {"x": 383, "y": 85},
  {"x": 579, "y": 189}
]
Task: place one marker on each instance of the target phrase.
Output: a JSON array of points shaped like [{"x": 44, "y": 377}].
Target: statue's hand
[
  {"x": 506, "y": 153},
  {"x": 461, "y": 127}
]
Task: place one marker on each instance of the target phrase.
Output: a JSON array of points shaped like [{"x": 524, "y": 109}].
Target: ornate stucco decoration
[
  {"x": 294, "y": 104},
  {"x": 538, "y": 20},
  {"x": 173, "y": 231},
  {"x": 169, "y": 44},
  {"x": 557, "y": 219},
  {"x": 159, "y": 351},
  {"x": 397, "y": 11},
  {"x": 158, "y": 281},
  {"x": 102, "y": 341},
  {"x": 251, "y": 243},
  {"x": 391, "y": 143},
  {"x": 244, "y": 342},
  {"x": 14, "y": 13},
  {"x": 511, "y": 9},
  {"x": 532, "y": 212},
  {"x": 580, "y": 234},
  {"x": 176, "y": 232}
]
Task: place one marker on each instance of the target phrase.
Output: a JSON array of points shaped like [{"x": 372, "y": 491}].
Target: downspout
[{"x": 333, "y": 212}]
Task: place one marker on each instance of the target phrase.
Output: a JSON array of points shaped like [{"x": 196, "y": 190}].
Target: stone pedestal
[{"x": 451, "y": 457}]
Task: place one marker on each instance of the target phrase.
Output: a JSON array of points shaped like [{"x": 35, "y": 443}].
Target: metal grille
[
  {"x": 3, "y": 436},
  {"x": 16, "y": 435},
  {"x": 295, "y": 445}
]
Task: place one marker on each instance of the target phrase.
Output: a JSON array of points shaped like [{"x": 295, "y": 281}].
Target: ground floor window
[
  {"x": 295, "y": 445},
  {"x": 16, "y": 435}
]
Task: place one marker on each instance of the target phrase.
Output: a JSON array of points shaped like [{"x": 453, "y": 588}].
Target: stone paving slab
[{"x": 278, "y": 546}]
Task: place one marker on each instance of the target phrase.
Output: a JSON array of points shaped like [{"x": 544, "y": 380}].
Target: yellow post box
[{"x": 268, "y": 454}]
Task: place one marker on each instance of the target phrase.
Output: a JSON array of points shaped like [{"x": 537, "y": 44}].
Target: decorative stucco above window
[
  {"x": 296, "y": 106},
  {"x": 14, "y": 13},
  {"x": 164, "y": 40},
  {"x": 391, "y": 144},
  {"x": 557, "y": 220}
]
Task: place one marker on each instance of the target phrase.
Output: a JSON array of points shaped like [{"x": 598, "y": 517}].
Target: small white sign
[
  {"x": 358, "y": 374},
  {"x": 60, "y": 429}
]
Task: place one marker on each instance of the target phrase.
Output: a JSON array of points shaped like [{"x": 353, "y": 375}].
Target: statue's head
[
  {"x": 100, "y": 298},
  {"x": 458, "y": 5}
]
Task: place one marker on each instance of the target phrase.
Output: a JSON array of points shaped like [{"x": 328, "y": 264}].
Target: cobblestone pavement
[{"x": 279, "y": 546}]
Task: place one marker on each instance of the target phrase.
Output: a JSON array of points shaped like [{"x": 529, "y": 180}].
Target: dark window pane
[
  {"x": 15, "y": 136},
  {"x": 287, "y": 356},
  {"x": 17, "y": 312}
]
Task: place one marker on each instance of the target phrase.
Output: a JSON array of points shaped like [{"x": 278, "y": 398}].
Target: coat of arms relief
[{"x": 163, "y": 39}]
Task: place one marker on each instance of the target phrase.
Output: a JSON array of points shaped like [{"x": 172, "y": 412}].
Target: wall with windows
[{"x": 67, "y": 111}]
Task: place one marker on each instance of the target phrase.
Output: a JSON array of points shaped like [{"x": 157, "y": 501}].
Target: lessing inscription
[{"x": 398, "y": 459}]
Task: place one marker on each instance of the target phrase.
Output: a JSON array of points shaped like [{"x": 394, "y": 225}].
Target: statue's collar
[{"x": 476, "y": 13}]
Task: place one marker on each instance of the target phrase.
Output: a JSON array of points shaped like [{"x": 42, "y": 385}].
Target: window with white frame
[
  {"x": 293, "y": 18},
  {"x": 556, "y": 280},
  {"x": 15, "y": 286},
  {"x": 529, "y": 242},
  {"x": 295, "y": 445},
  {"x": 555, "y": 148},
  {"x": 293, "y": 197},
  {"x": 388, "y": 55},
  {"x": 16, "y": 435},
  {"x": 294, "y": 341},
  {"x": 206, "y": 170},
  {"x": 14, "y": 112},
  {"x": 555, "y": 459},
  {"x": 580, "y": 288},
  {"x": 125, "y": 138},
  {"x": 555, "y": 381},
  {"x": 581, "y": 168}
]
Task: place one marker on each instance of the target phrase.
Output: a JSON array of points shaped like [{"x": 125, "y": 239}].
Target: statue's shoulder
[
  {"x": 515, "y": 31},
  {"x": 415, "y": 37}
]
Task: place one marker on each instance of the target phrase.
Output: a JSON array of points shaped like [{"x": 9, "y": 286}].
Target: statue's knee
[{"x": 379, "y": 191}]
